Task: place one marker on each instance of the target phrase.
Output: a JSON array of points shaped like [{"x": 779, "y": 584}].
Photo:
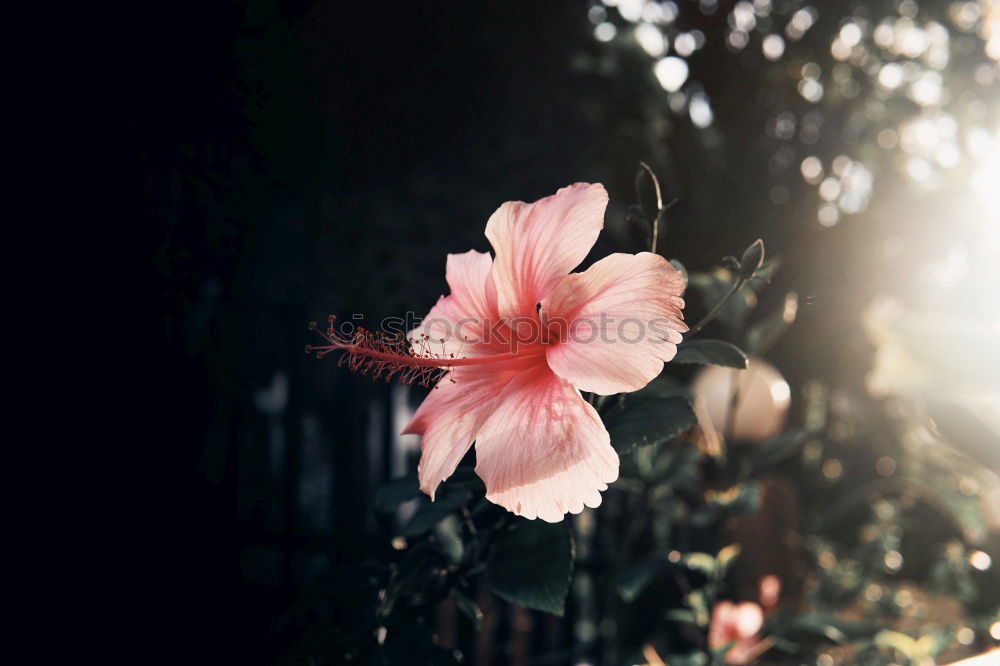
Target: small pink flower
[
  {"x": 736, "y": 625},
  {"x": 517, "y": 340}
]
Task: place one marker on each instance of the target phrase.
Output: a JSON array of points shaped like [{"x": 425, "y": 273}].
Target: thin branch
[
  {"x": 718, "y": 307},
  {"x": 659, "y": 204}
]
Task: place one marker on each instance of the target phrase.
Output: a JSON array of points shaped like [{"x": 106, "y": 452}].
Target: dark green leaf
[
  {"x": 680, "y": 269},
  {"x": 468, "y": 607},
  {"x": 713, "y": 287},
  {"x": 751, "y": 260},
  {"x": 464, "y": 478},
  {"x": 698, "y": 601},
  {"x": 632, "y": 579},
  {"x": 681, "y": 467},
  {"x": 648, "y": 420},
  {"x": 416, "y": 578},
  {"x": 712, "y": 566},
  {"x": 711, "y": 352},
  {"x": 449, "y": 538},
  {"x": 532, "y": 563},
  {"x": 412, "y": 642},
  {"x": 390, "y": 495},
  {"x": 681, "y": 615},
  {"x": 430, "y": 513},
  {"x": 780, "y": 447},
  {"x": 663, "y": 386},
  {"x": 800, "y": 627},
  {"x": 739, "y": 500},
  {"x": 719, "y": 652}
]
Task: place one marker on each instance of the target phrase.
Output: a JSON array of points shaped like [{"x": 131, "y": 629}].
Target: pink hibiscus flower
[
  {"x": 737, "y": 625},
  {"x": 517, "y": 340}
]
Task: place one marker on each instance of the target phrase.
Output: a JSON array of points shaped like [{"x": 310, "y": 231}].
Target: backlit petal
[
  {"x": 458, "y": 323},
  {"x": 620, "y": 320},
  {"x": 543, "y": 450},
  {"x": 452, "y": 413},
  {"x": 537, "y": 244}
]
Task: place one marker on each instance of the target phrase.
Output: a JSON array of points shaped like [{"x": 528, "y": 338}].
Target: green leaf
[
  {"x": 390, "y": 495},
  {"x": 663, "y": 386},
  {"x": 780, "y": 447},
  {"x": 702, "y": 562},
  {"x": 464, "y": 478},
  {"x": 719, "y": 653},
  {"x": 698, "y": 602},
  {"x": 751, "y": 260},
  {"x": 799, "y": 627},
  {"x": 727, "y": 556},
  {"x": 680, "y": 269},
  {"x": 468, "y": 607},
  {"x": 739, "y": 500},
  {"x": 646, "y": 420},
  {"x": 712, "y": 287},
  {"x": 711, "y": 352},
  {"x": 680, "y": 468},
  {"x": 709, "y": 565},
  {"x": 902, "y": 643},
  {"x": 632, "y": 579},
  {"x": 934, "y": 642},
  {"x": 531, "y": 565},
  {"x": 430, "y": 513},
  {"x": 681, "y": 615},
  {"x": 413, "y": 642},
  {"x": 416, "y": 579},
  {"x": 449, "y": 537}
]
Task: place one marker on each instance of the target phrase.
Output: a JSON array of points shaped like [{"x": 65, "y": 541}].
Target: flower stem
[{"x": 718, "y": 307}]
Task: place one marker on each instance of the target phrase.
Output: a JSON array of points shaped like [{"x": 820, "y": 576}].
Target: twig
[
  {"x": 659, "y": 205},
  {"x": 661, "y": 208},
  {"x": 718, "y": 307}
]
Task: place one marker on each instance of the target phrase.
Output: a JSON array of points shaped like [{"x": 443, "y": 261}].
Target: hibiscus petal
[
  {"x": 543, "y": 450},
  {"x": 722, "y": 629},
  {"x": 452, "y": 413},
  {"x": 468, "y": 276},
  {"x": 749, "y": 619},
  {"x": 458, "y": 323},
  {"x": 619, "y": 321},
  {"x": 537, "y": 244}
]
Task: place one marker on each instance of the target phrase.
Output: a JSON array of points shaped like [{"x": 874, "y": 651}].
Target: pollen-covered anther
[{"x": 387, "y": 355}]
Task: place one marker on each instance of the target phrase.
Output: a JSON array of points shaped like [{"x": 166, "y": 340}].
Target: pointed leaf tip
[
  {"x": 647, "y": 420},
  {"x": 711, "y": 352}
]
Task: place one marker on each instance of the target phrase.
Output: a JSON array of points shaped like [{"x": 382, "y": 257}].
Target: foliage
[
  {"x": 651, "y": 563},
  {"x": 676, "y": 496}
]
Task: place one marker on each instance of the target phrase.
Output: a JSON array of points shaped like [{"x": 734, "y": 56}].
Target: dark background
[{"x": 299, "y": 159}]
